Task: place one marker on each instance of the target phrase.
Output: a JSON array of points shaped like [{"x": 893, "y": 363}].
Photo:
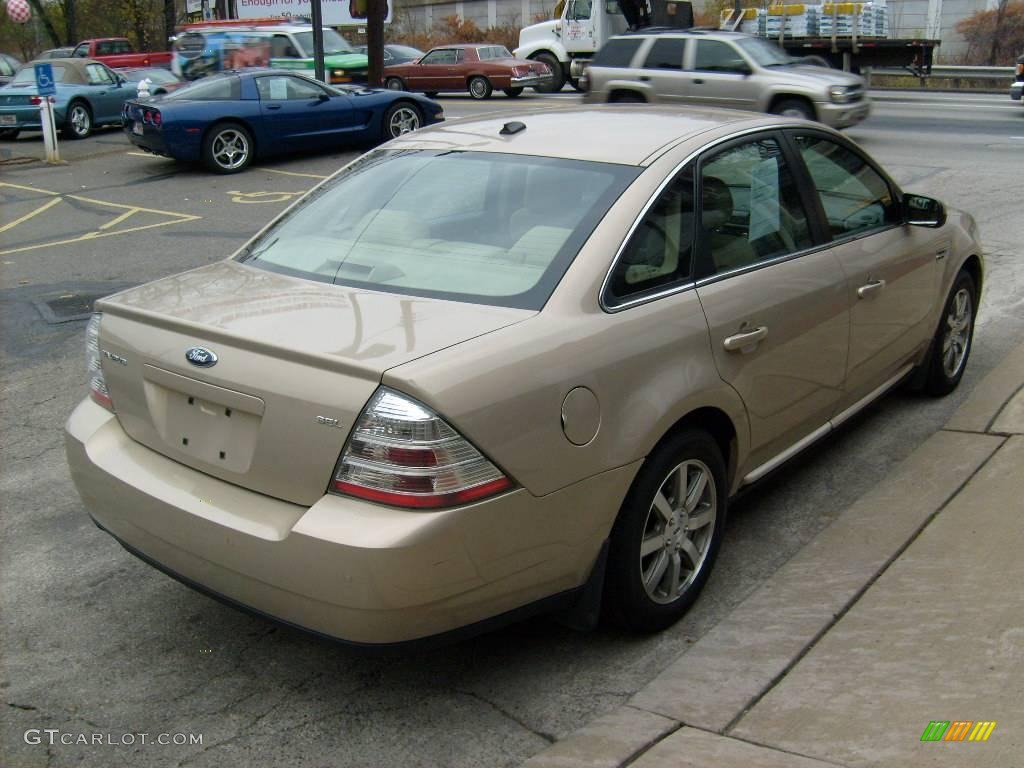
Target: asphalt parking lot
[{"x": 95, "y": 641}]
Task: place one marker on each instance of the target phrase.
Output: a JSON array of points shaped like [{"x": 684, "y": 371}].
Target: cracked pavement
[{"x": 95, "y": 641}]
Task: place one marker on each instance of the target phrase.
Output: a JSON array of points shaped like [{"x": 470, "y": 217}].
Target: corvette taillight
[
  {"x": 157, "y": 118},
  {"x": 402, "y": 454},
  {"x": 97, "y": 384}
]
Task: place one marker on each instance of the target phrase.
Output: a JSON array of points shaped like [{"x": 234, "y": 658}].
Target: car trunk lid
[{"x": 295, "y": 362}]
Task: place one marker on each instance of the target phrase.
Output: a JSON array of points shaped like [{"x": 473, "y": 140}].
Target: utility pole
[
  {"x": 375, "y": 42},
  {"x": 318, "y": 40}
]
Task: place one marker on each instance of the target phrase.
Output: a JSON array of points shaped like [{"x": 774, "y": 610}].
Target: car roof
[
  {"x": 253, "y": 28},
  {"x": 607, "y": 134}
]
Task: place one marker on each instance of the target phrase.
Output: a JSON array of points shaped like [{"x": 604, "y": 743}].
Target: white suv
[{"x": 722, "y": 69}]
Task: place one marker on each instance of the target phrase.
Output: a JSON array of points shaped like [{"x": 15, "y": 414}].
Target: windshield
[
  {"x": 333, "y": 42},
  {"x": 479, "y": 227},
  {"x": 763, "y": 52}
]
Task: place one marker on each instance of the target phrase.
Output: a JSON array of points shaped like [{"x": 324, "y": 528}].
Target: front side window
[
  {"x": 666, "y": 53},
  {"x": 446, "y": 56},
  {"x": 285, "y": 88},
  {"x": 658, "y": 254},
  {"x": 617, "y": 52},
  {"x": 750, "y": 208},
  {"x": 480, "y": 227},
  {"x": 98, "y": 75},
  {"x": 716, "y": 56},
  {"x": 854, "y": 195},
  {"x": 579, "y": 10},
  {"x": 281, "y": 48}
]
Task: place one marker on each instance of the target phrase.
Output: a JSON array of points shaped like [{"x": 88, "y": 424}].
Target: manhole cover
[{"x": 67, "y": 307}]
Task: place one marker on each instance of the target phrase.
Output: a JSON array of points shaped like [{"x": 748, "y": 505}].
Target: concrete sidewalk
[{"x": 907, "y": 609}]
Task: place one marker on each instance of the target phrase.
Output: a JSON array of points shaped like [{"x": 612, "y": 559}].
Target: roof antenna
[{"x": 510, "y": 129}]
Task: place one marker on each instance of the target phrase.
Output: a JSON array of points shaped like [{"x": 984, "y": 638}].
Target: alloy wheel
[
  {"x": 958, "y": 332},
  {"x": 230, "y": 149},
  {"x": 81, "y": 122},
  {"x": 403, "y": 120},
  {"x": 678, "y": 531}
]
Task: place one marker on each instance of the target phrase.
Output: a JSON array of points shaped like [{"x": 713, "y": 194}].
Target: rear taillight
[
  {"x": 402, "y": 454},
  {"x": 520, "y": 72},
  {"x": 157, "y": 119},
  {"x": 97, "y": 385},
  {"x": 35, "y": 100}
]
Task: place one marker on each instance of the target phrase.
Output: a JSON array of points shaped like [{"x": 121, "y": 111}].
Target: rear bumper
[
  {"x": 344, "y": 568},
  {"x": 156, "y": 141},
  {"x": 843, "y": 115},
  {"x": 531, "y": 81}
]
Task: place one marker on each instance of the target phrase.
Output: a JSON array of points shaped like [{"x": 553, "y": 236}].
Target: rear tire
[
  {"x": 394, "y": 84},
  {"x": 794, "y": 108},
  {"x": 556, "y": 71},
  {"x": 668, "y": 533},
  {"x": 513, "y": 92},
  {"x": 228, "y": 148},
  {"x": 951, "y": 346},
  {"x": 77, "y": 121},
  {"x": 480, "y": 88},
  {"x": 10, "y": 134}
]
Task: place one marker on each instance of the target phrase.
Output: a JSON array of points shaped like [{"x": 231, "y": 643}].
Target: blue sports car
[
  {"x": 227, "y": 120},
  {"x": 89, "y": 94}
]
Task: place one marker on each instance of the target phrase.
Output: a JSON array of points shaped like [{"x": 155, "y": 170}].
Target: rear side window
[
  {"x": 212, "y": 89},
  {"x": 658, "y": 254},
  {"x": 666, "y": 53},
  {"x": 854, "y": 195},
  {"x": 618, "y": 52}
]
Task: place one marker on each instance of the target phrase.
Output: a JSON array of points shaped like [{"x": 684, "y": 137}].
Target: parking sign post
[{"x": 46, "y": 87}]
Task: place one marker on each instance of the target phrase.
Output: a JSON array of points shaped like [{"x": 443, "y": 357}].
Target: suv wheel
[{"x": 794, "y": 108}]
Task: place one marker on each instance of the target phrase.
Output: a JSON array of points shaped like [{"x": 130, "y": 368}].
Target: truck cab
[{"x": 582, "y": 28}]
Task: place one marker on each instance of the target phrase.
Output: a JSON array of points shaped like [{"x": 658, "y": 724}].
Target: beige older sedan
[{"x": 510, "y": 364}]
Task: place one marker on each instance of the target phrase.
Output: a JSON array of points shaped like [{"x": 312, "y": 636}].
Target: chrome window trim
[{"x": 629, "y": 303}]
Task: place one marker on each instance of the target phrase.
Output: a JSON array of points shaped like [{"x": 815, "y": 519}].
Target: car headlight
[
  {"x": 97, "y": 385},
  {"x": 841, "y": 93},
  {"x": 338, "y": 72}
]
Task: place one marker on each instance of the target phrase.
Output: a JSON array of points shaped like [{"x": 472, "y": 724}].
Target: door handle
[
  {"x": 698, "y": 81},
  {"x": 866, "y": 291},
  {"x": 745, "y": 341},
  {"x": 273, "y": 106},
  {"x": 645, "y": 79}
]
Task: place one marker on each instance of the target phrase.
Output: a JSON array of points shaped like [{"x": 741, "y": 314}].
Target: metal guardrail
[{"x": 942, "y": 70}]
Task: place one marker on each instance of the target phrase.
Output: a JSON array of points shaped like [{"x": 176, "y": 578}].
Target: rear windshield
[
  {"x": 209, "y": 89},
  {"x": 493, "y": 52},
  {"x": 479, "y": 227},
  {"x": 61, "y": 74},
  {"x": 617, "y": 52}
]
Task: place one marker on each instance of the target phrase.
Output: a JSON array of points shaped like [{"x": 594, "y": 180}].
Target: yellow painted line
[
  {"x": 30, "y": 189},
  {"x": 45, "y": 207},
  {"x": 95, "y": 236},
  {"x": 183, "y": 216},
  {"x": 114, "y": 222},
  {"x": 294, "y": 173}
]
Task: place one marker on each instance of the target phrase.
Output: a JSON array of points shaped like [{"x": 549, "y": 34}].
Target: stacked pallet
[{"x": 843, "y": 19}]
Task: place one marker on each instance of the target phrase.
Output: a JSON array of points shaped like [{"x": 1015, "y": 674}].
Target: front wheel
[
  {"x": 480, "y": 88},
  {"x": 77, "y": 121},
  {"x": 399, "y": 119},
  {"x": 513, "y": 92},
  {"x": 794, "y": 108},
  {"x": 227, "y": 148},
  {"x": 394, "y": 84},
  {"x": 951, "y": 345},
  {"x": 558, "y": 76},
  {"x": 668, "y": 532}
]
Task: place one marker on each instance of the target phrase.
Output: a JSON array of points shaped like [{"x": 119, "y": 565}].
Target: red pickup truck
[{"x": 118, "y": 52}]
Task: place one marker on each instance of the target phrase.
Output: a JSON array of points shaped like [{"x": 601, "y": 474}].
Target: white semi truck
[{"x": 567, "y": 44}]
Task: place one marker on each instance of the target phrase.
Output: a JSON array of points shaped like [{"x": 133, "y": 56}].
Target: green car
[{"x": 207, "y": 47}]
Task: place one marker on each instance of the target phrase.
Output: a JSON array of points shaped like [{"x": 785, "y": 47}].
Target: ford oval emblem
[{"x": 201, "y": 356}]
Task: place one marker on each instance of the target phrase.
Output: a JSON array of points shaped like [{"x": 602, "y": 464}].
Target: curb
[{"x": 685, "y": 716}]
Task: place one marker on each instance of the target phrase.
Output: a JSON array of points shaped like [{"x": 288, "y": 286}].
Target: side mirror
[
  {"x": 921, "y": 211},
  {"x": 324, "y": 97}
]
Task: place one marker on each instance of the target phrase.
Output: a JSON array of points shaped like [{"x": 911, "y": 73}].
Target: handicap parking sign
[{"x": 44, "y": 80}]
